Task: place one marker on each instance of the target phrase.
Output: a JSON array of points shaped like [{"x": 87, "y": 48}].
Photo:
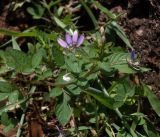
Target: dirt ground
[
  {"x": 144, "y": 35},
  {"x": 142, "y": 28},
  {"x": 141, "y": 23}
]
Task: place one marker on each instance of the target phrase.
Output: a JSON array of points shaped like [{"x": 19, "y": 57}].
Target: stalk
[{"x": 120, "y": 115}]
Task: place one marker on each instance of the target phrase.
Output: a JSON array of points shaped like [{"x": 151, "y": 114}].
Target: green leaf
[
  {"x": 31, "y": 32},
  {"x": 58, "y": 56},
  {"x": 106, "y": 101},
  {"x": 118, "y": 61},
  {"x": 60, "y": 11},
  {"x": 37, "y": 12},
  {"x": 121, "y": 90},
  {"x": 50, "y": 4},
  {"x": 123, "y": 133},
  {"x": 18, "y": 5},
  {"x": 108, "y": 131},
  {"x": 8, "y": 90},
  {"x": 105, "y": 10},
  {"x": 63, "y": 110},
  {"x": 90, "y": 52},
  {"x": 13, "y": 97},
  {"x": 55, "y": 92},
  {"x": 31, "y": 48},
  {"x": 124, "y": 68},
  {"x": 31, "y": 11},
  {"x": 5, "y": 119},
  {"x": 119, "y": 31},
  {"x": 17, "y": 34},
  {"x": 150, "y": 129},
  {"x": 118, "y": 93},
  {"x": 45, "y": 74},
  {"x": 59, "y": 22},
  {"x": 118, "y": 58},
  {"x": 153, "y": 100},
  {"x": 104, "y": 66},
  {"x": 18, "y": 60},
  {"x": 37, "y": 57},
  {"x": 74, "y": 89},
  {"x": 83, "y": 128},
  {"x": 15, "y": 44},
  {"x": 73, "y": 64},
  {"x": 82, "y": 82},
  {"x": 6, "y": 87}
]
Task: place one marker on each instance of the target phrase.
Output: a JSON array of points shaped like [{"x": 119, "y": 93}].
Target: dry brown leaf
[
  {"x": 11, "y": 133},
  {"x": 36, "y": 129}
]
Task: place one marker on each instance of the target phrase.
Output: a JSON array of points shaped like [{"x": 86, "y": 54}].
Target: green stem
[
  {"x": 20, "y": 126},
  {"x": 117, "y": 111},
  {"x": 139, "y": 105},
  {"x": 94, "y": 89},
  {"x": 103, "y": 88}
]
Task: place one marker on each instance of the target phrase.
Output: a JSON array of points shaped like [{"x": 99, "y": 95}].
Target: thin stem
[
  {"x": 107, "y": 94},
  {"x": 139, "y": 105},
  {"x": 117, "y": 111},
  {"x": 20, "y": 126},
  {"x": 94, "y": 89},
  {"x": 103, "y": 88},
  {"x": 47, "y": 20},
  {"x": 97, "y": 120},
  {"x": 32, "y": 90}
]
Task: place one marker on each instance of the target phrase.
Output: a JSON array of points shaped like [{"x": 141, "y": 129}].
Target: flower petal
[
  {"x": 66, "y": 77},
  {"x": 62, "y": 43},
  {"x": 75, "y": 37},
  {"x": 80, "y": 40},
  {"x": 132, "y": 54},
  {"x": 68, "y": 39}
]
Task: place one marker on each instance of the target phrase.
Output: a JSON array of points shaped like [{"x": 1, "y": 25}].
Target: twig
[
  {"x": 32, "y": 90},
  {"x": 61, "y": 134}
]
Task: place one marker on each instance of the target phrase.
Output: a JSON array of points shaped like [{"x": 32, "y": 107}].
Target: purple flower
[
  {"x": 71, "y": 41},
  {"x": 132, "y": 55}
]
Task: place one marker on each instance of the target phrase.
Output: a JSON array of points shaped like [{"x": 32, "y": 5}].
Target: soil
[
  {"x": 144, "y": 34},
  {"x": 141, "y": 23}
]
